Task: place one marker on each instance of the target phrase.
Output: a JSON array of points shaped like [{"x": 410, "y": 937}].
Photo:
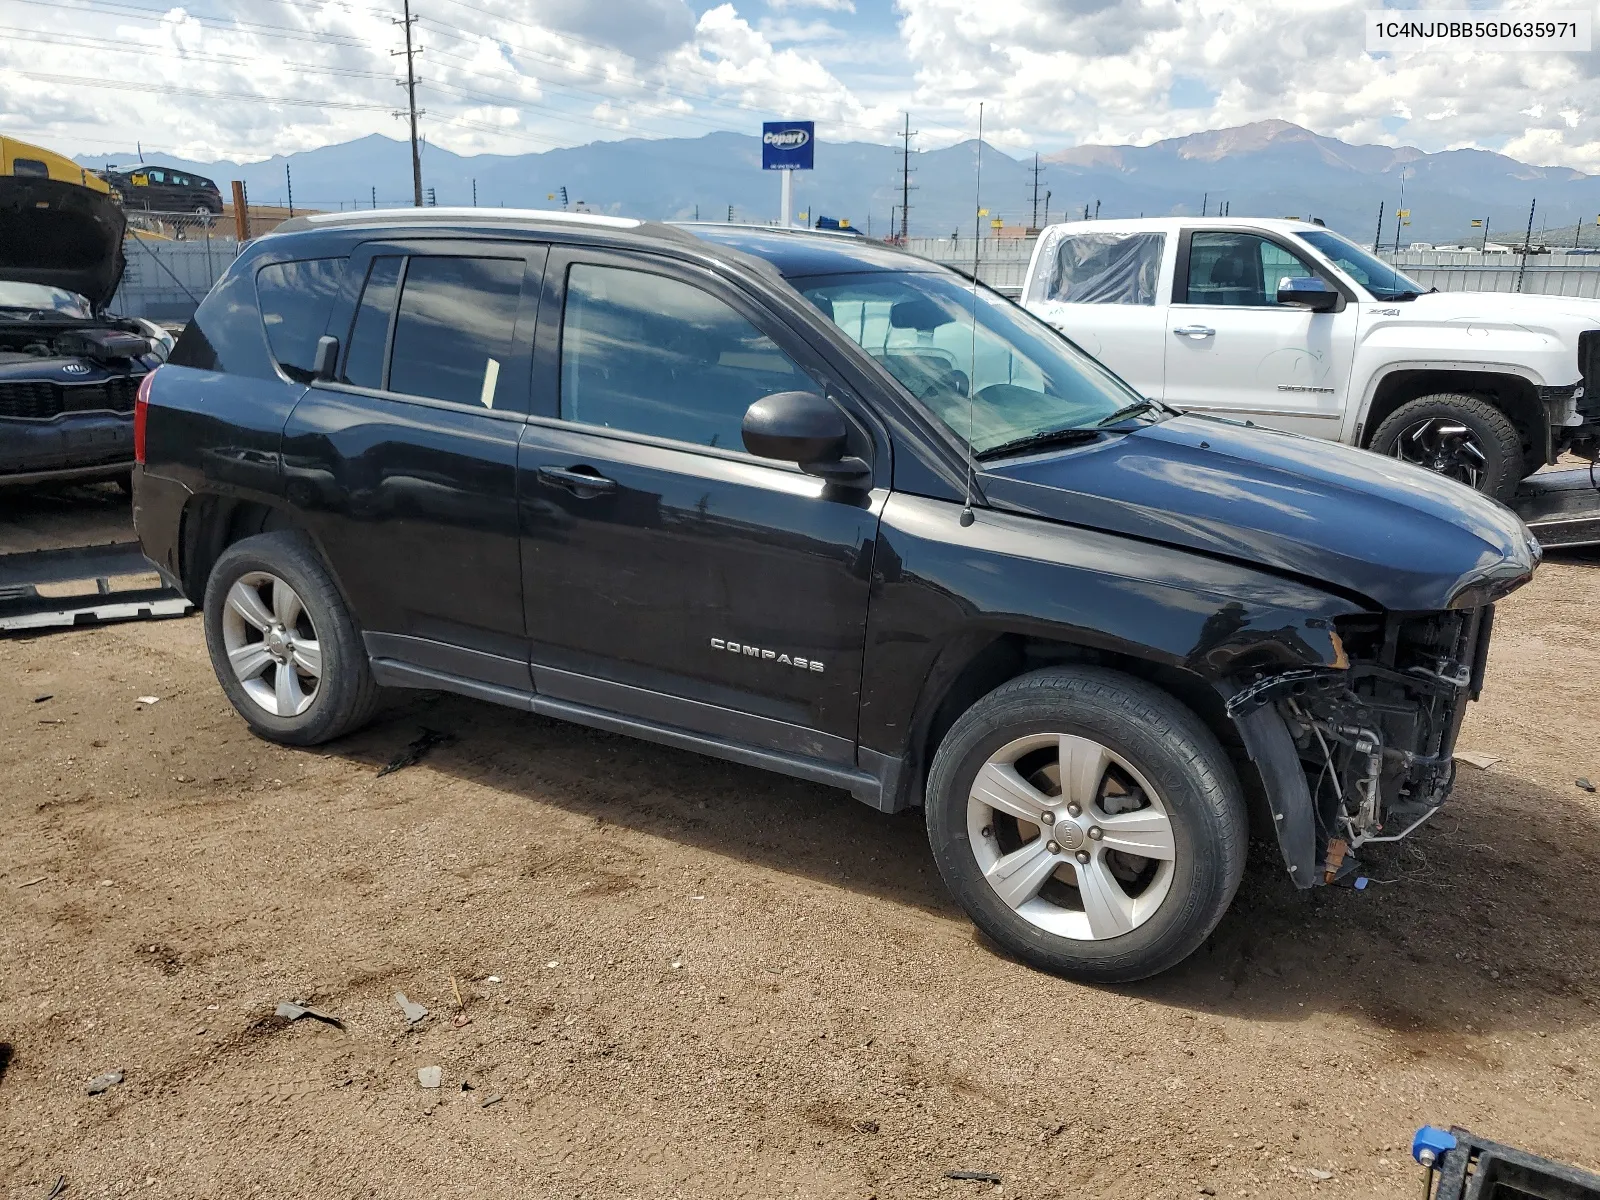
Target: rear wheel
[
  {"x": 1087, "y": 822},
  {"x": 282, "y": 643},
  {"x": 1463, "y": 437}
]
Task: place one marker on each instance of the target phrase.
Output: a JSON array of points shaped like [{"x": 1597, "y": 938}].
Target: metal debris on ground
[
  {"x": 61, "y": 1186},
  {"x": 413, "y": 753},
  {"x": 430, "y": 1077},
  {"x": 414, "y": 1012},
  {"x": 31, "y": 882},
  {"x": 975, "y": 1176},
  {"x": 294, "y": 1011},
  {"x": 492, "y": 1098},
  {"x": 43, "y": 698},
  {"x": 147, "y": 700},
  {"x": 103, "y": 1083},
  {"x": 1585, "y": 785},
  {"x": 1473, "y": 759},
  {"x": 493, "y": 979}
]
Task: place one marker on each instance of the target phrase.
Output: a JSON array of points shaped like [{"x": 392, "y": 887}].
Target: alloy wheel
[
  {"x": 1071, "y": 836},
  {"x": 271, "y": 644},
  {"x": 1445, "y": 446}
]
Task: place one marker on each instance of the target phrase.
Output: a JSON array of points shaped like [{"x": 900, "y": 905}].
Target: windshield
[
  {"x": 1023, "y": 379},
  {"x": 1372, "y": 273},
  {"x": 40, "y": 297}
]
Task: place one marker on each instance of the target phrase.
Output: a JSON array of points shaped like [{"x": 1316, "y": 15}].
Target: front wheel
[
  {"x": 1088, "y": 823},
  {"x": 1463, "y": 437}
]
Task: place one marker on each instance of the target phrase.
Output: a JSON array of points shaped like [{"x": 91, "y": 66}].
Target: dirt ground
[{"x": 686, "y": 978}]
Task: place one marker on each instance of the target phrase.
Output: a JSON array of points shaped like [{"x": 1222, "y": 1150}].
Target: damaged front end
[{"x": 1362, "y": 751}]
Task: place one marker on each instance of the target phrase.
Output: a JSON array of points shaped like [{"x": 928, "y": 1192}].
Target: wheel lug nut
[
  {"x": 1096, "y": 832},
  {"x": 1047, "y": 817},
  {"x": 987, "y": 831},
  {"x": 1083, "y": 856},
  {"x": 1052, "y": 847},
  {"x": 1074, "y": 811}
]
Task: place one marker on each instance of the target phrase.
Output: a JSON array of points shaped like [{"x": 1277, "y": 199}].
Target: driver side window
[
  {"x": 1239, "y": 269},
  {"x": 653, "y": 355}
]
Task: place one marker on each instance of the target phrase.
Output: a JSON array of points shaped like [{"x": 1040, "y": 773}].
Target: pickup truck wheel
[
  {"x": 1088, "y": 823},
  {"x": 283, "y": 644},
  {"x": 1464, "y": 437}
]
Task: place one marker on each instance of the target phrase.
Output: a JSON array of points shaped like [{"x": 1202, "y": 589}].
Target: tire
[
  {"x": 1144, "y": 737},
  {"x": 304, "y": 708},
  {"x": 1487, "y": 457}
]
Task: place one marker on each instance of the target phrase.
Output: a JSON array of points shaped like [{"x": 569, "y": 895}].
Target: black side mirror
[
  {"x": 326, "y": 361},
  {"x": 806, "y": 429},
  {"x": 1309, "y": 292}
]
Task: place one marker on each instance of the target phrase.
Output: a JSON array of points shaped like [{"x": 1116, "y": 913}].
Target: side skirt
[{"x": 394, "y": 672}]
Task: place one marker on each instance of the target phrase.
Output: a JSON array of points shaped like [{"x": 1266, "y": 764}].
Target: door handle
[
  {"x": 583, "y": 484},
  {"x": 1195, "y": 332}
]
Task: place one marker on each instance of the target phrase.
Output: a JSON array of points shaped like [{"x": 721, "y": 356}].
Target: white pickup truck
[{"x": 1288, "y": 324}]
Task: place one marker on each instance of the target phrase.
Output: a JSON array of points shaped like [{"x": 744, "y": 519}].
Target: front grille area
[
  {"x": 1589, "y": 368},
  {"x": 40, "y": 401}
]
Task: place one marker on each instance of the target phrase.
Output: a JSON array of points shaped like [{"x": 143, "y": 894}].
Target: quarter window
[
  {"x": 1239, "y": 269},
  {"x": 454, "y": 329},
  {"x": 295, "y": 299},
  {"x": 653, "y": 355},
  {"x": 1099, "y": 268}
]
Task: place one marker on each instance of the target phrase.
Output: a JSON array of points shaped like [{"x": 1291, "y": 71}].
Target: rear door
[
  {"x": 406, "y": 466},
  {"x": 1232, "y": 349},
  {"x": 670, "y": 575},
  {"x": 1103, "y": 288}
]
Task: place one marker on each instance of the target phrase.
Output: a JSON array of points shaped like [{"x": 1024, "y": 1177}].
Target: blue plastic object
[
  {"x": 1431, "y": 1144},
  {"x": 1361, "y": 883}
]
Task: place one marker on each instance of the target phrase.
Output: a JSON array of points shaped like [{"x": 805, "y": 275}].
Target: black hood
[
  {"x": 1399, "y": 536},
  {"x": 62, "y": 235}
]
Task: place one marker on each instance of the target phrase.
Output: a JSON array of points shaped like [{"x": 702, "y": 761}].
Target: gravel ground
[{"x": 686, "y": 978}]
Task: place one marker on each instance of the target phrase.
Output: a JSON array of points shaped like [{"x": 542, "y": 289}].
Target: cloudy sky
[{"x": 245, "y": 79}]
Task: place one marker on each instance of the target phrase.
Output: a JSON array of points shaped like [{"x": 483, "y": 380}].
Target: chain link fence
[{"x": 174, "y": 258}]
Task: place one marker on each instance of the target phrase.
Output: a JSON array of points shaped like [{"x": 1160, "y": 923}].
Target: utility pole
[
  {"x": 1205, "y": 201},
  {"x": 1377, "y": 238},
  {"x": 474, "y": 193},
  {"x": 905, "y": 180},
  {"x": 288, "y": 182},
  {"x": 1047, "y": 206},
  {"x": 411, "y": 102},
  {"x": 374, "y": 195},
  {"x": 1528, "y": 237},
  {"x": 1037, "y": 171}
]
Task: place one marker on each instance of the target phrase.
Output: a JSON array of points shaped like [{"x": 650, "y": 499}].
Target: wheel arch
[
  {"x": 980, "y": 660},
  {"x": 210, "y": 523},
  {"x": 1513, "y": 394}
]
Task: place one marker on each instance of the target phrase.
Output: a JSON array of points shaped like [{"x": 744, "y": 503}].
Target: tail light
[{"x": 141, "y": 411}]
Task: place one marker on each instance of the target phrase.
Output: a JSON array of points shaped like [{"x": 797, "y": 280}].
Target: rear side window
[
  {"x": 369, "y": 335},
  {"x": 1099, "y": 268},
  {"x": 652, "y": 355},
  {"x": 295, "y": 299},
  {"x": 31, "y": 167},
  {"x": 454, "y": 328}
]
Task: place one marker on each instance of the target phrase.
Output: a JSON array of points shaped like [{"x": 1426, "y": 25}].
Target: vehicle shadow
[{"x": 1479, "y": 922}]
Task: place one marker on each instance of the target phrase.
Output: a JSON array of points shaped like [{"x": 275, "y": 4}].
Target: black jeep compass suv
[{"x": 810, "y": 503}]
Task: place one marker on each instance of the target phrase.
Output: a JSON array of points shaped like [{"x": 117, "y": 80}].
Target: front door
[
  {"x": 669, "y": 574},
  {"x": 405, "y": 467},
  {"x": 1233, "y": 350}
]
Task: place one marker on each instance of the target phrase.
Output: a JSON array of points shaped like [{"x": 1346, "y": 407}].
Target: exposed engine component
[{"x": 1376, "y": 738}]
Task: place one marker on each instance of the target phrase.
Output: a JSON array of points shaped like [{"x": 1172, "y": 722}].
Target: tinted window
[
  {"x": 295, "y": 300},
  {"x": 1239, "y": 268},
  {"x": 1099, "y": 268},
  {"x": 454, "y": 331},
  {"x": 30, "y": 166},
  {"x": 156, "y": 177},
  {"x": 651, "y": 355},
  {"x": 369, "y": 335}
]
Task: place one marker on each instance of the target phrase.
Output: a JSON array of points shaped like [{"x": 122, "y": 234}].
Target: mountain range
[{"x": 1269, "y": 168}]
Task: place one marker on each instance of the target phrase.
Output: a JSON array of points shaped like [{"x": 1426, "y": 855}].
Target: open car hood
[
  {"x": 1350, "y": 520},
  {"x": 63, "y": 235}
]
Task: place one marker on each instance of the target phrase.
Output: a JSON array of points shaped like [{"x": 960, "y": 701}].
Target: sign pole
[{"x": 786, "y": 199}]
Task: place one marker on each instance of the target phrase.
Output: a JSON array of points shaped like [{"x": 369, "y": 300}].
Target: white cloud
[{"x": 845, "y": 6}]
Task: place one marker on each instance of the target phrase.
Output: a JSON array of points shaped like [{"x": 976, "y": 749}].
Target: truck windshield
[
  {"x": 1371, "y": 272},
  {"x": 947, "y": 341}
]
